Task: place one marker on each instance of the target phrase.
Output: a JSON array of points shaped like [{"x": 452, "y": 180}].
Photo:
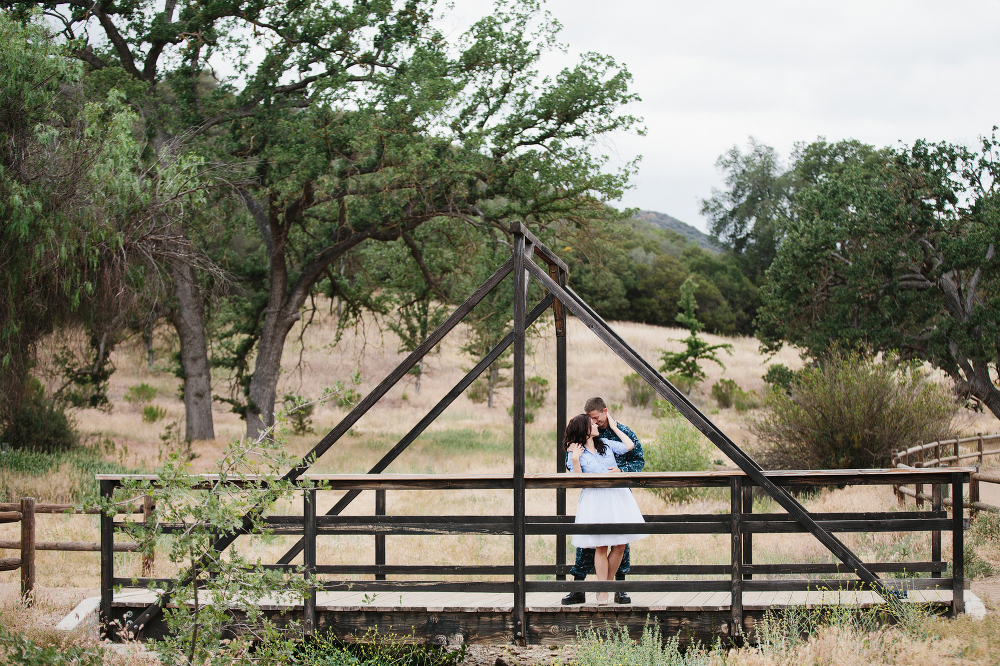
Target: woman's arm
[
  {"x": 627, "y": 442},
  {"x": 576, "y": 450}
]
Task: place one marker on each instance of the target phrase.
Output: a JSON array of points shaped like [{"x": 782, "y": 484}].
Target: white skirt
[{"x": 607, "y": 505}]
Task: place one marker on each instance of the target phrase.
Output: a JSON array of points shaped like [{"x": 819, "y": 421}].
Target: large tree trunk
[
  {"x": 977, "y": 383},
  {"x": 189, "y": 320}
]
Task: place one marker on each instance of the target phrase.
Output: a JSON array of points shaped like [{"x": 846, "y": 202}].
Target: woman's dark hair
[{"x": 577, "y": 432}]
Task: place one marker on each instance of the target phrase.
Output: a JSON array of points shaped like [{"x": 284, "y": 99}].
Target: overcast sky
[{"x": 713, "y": 73}]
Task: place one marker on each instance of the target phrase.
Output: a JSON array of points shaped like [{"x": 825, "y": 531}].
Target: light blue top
[{"x": 598, "y": 464}]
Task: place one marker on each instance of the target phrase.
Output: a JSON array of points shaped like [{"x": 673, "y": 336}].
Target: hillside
[{"x": 663, "y": 221}]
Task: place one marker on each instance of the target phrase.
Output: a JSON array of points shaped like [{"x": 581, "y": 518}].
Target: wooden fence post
[
  {"x": 973, "y": 492},
  {"x": 736, "y": 555},
  {"x": 148, "y": 560},
  {"x": 979, "y": 449},
  {"x": 919, "y": 487},
  {"x": 28, "y": 551}
]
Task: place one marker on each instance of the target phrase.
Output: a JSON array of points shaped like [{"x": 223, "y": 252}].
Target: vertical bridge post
[
  {"x": 107, "y": 556},
  {"x": 309, "y": 559},
  {"x": 736, "y": 555},
  {"x": 559, "y": 313},
  {"x": 520, "y": 286},
  {"x": 957, "y": 546}
]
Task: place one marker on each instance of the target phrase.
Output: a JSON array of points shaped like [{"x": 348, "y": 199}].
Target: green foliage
[
  {"x": 153, "y": 413},
  {"x": 140, "y": 394},
  {"x": 744, "y": 401},
  {"x": 984, "y": 533},
  {"x": 896, "y": 250},
  {"x": 17, "y": 650},
  {"x": 535, "y": 390},
  {"x": 78, "y": 464},
  {"x": 780, "y": 376},
  {"x": 38, "y": 424},
  {"x": 678, "y": 447},
  {"x": 214, "y": 594},
  {"x": 299, "y": 411},
  {"x": 686, "y": 363},
  {"x": 638, "y": 392},
  {"x": 747, "y": 217},
  {"x": 614, "y": 647},
  {"x": 349, "y": 398},
  {"x": 723, "y": 391},
  {"x": 850, "y": 411}
]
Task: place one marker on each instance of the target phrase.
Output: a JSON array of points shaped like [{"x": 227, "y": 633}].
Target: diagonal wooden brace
[
  {"x": 709, "y": 429},
  {"x": 341, "y": 428}
]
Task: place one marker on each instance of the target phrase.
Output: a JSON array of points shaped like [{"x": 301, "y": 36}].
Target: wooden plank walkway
[{"x": 464, "y": 617}]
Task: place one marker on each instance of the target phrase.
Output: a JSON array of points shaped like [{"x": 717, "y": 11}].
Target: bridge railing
[{"x": 740, "y": 575}]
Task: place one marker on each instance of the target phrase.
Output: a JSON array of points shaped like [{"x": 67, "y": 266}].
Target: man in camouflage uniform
[{"x": 631, "y": 461}]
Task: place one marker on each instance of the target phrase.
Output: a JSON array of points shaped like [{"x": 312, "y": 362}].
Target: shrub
[
  {"x": 153, "y": 413},
  {"x": 38, "y": 424},
  {"x": 723, "y": 391},
  {"x": 535, "y": 391},
  {"x": 780, "y": 376},
  {"x": 638, "y": 393},
  {"x": 140, "y": 394},
  {"x": 850, "y": 411},
  {"x": 299, "y": 410},
  {"x": 679, "y": 447},
  {"x": 744, "y": 401},
  {"x": 727, "y": 393},
  {"x": 477, "y": 391},
  {"x": 682, "y": 383}
]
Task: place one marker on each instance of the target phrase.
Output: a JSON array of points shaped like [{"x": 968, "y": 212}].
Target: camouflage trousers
[{"x": 585, "y": 563}]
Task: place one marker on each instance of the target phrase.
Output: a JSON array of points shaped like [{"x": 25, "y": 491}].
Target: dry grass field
[{"x": 467, "y": 438}]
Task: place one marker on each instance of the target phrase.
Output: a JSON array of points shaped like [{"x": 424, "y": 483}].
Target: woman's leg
[
  {"x": 615, "y": 559},
  {"x": 601, "y": 569}
]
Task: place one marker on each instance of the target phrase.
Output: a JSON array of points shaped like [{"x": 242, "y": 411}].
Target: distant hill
[{"x": 673, "y": 224}]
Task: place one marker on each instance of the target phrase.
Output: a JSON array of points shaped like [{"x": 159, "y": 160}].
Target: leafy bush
[
  {"x": 727, "y": 393},
  {"x": 299, "y": 410},
  {"x": 682, "y": 383},
  {"x": 535, "y": 391},
  {"x": 984, "y": 535},
  {"x": 850, "y": 411},
  {"x": 39, "y": 424},
  {"x": 638, "y": 392},
  {"x": 477, "y": 391},
  {"x": 153, "y": 413},
  {"x": 744, "y": 401},
  {"x": 679, "y": 447},
  {"x": 723, "y": 391},
  {"x": 780, "y": 376},
  {"x": 140, "y": 394}
]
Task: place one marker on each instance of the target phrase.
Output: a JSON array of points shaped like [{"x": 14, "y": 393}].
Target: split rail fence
[
  {"x": 948, "y": 453},
  {"x": 25, "y": 512}
]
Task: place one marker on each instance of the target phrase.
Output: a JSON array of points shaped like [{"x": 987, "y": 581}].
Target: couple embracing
[{"x": 596, "y": 443}]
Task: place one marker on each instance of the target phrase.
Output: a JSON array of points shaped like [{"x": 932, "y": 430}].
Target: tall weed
[{"x": 614, "y": 647}]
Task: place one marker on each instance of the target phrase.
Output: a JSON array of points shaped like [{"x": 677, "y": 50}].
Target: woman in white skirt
[{"x": 589, "y": 454}]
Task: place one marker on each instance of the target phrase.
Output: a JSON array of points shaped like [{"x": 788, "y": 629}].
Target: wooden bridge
[{"x": 453, "y": 603}]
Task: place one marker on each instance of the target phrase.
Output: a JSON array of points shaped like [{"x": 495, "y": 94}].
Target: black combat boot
[
  {"x": 574, "y": 598},
  {"x": 621, "y": 597}
]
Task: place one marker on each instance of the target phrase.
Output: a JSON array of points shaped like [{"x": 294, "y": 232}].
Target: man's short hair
[{"x": 594, "y": 404}]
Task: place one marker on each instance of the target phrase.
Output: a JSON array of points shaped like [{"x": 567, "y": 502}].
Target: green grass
[{"x": 80, "y": 464}]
